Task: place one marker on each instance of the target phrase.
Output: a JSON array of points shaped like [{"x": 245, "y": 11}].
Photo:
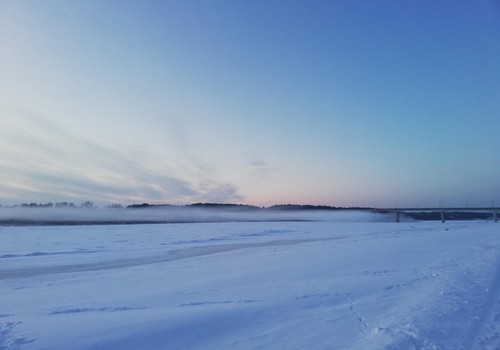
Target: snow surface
[{"x": 251, "y": 285}]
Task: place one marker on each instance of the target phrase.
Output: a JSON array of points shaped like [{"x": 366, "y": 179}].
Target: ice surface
[{"x": 251, "y": 285}]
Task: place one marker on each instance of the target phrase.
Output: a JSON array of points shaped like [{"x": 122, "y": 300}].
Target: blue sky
[{"x": 369, "y": 103}]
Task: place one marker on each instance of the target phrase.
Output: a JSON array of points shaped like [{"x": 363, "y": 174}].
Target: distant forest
[
  {"x": 230, "y": 206},
  {"x": 86, "y": 204},
  {"x": 243, "y": 207}
]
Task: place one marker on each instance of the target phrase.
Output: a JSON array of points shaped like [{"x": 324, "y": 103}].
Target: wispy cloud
[
  {"x": 260, "y": 168},
  {"x": 41, "y": 160}
]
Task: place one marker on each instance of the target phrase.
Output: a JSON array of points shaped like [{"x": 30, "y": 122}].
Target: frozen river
[{"x": 251, "y": 285}]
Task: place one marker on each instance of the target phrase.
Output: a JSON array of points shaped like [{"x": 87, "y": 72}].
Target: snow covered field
[{"x": 251, "y": 285}]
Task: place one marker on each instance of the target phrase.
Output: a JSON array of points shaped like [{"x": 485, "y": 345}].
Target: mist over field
[{"x": 174, "y": 214}]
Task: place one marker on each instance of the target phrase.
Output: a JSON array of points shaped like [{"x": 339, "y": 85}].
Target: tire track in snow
[{"x": 168, "y": 256}]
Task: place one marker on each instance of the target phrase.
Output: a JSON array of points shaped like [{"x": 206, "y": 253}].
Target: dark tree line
[
  {"x": 226, "y": 206},
  {"x": 86, "y": 204}
]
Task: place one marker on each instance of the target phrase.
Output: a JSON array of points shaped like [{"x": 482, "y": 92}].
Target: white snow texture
[{"x": 251, "y": 285}]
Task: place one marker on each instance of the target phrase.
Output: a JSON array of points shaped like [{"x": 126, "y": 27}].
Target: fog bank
[{"x": 85, "y": 216}]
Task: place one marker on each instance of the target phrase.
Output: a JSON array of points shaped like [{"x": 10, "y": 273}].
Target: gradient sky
[{"x": 346, "y": 103}]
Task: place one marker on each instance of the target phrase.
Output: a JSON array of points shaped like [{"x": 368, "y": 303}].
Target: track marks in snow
[
  {"x": 363, "y": 326},
  {"x": 35, "y": 254},
  {"x": 458, "y": 307},
  {"x": 311, "y": 296},
  {"x": 232, "y": 237},
  {"x": 327, "y": 294},
  {"x": 469, "y": 308},
  {"x": 375, "y": 273},
  {"x": 8, "y": 341},
  {"x": 405, "y": 337},
  {"x": 60, "y": 311},
  {"x": 486, "y": 329},
  {"x": 411, "y": 282},
  {"x": 167, "y": 256},
  {"x": 351, "y": 304},
  {"x": 203, "y": 303}
]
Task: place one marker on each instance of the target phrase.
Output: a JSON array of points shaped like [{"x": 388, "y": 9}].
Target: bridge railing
[{"x": 441, "y": 212}]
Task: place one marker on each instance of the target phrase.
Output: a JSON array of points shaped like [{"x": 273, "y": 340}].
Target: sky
[{"x": 344, "y": 103}]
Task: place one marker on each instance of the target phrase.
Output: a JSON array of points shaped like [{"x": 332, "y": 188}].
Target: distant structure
[{"x": 444, "y": 214}]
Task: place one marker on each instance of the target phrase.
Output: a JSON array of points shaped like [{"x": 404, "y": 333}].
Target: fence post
[
  {"x": 495, "y": 216},
  {"x": 397, "y": 216},
  {"x": 442, "y": 215}
]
